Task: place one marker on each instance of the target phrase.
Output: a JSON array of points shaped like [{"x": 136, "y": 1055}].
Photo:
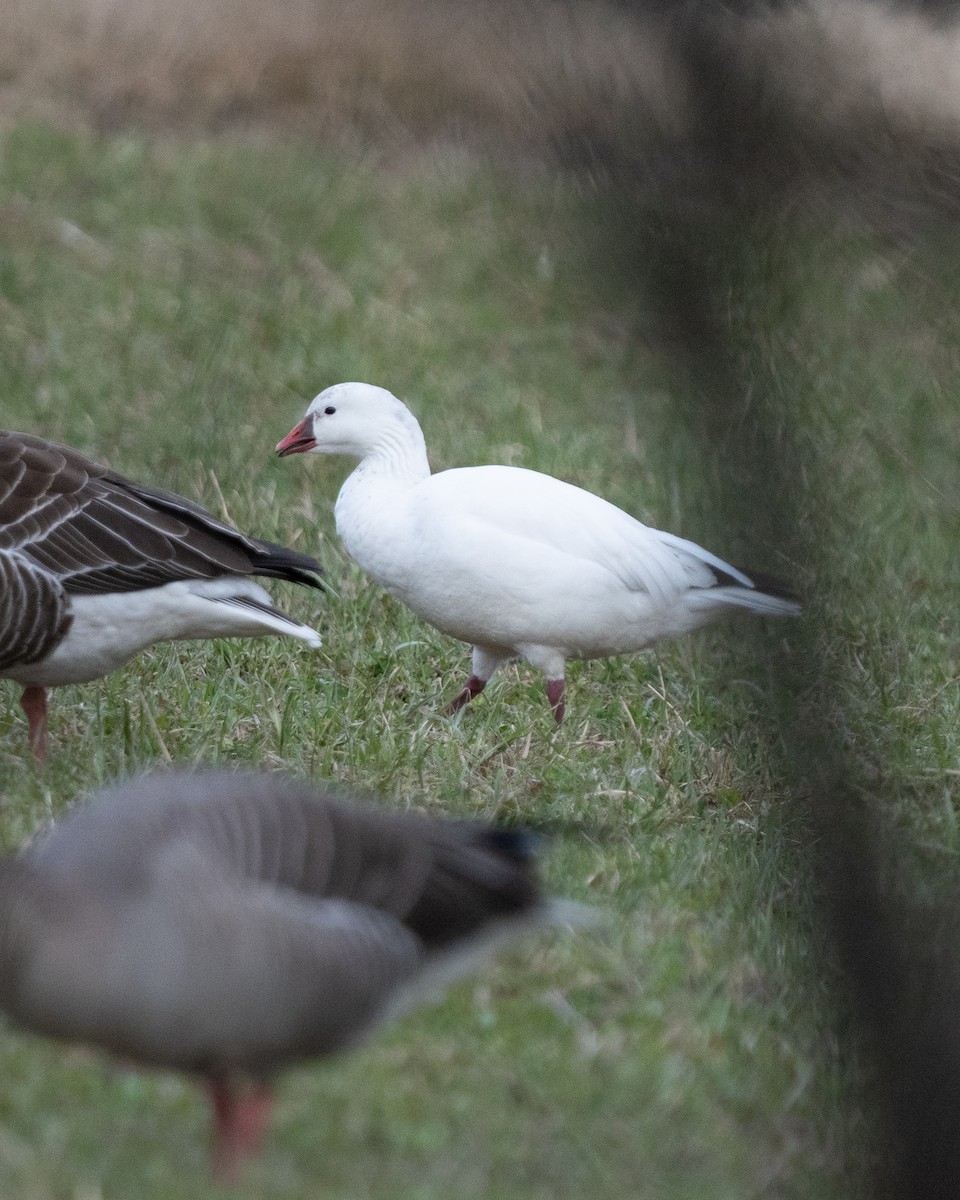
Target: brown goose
[
  {"x": 95, "y": 568},
  {"x": 227, "y": 924}
]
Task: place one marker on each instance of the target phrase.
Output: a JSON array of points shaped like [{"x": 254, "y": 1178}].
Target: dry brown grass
[
  {"x": 319, "y": 66},
  {"x": 528, "y": 72},
  {"x": 802, "y": 96},
  {"x": 846, "y": 62}
]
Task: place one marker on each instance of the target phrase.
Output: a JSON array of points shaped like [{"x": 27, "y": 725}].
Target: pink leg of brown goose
[
  {"x": 555, "y": 696},
  {"x": 473, "y": 687},
  {"x": 239, "y": 1120},
  {"x": 34, "y": 704}
]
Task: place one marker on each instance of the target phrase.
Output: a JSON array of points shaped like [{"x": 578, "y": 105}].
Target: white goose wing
[{"x": 511, "y": 506}]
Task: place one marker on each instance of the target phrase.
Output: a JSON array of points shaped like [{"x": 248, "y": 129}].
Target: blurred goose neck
[
  {"x": 11, "y": 871},
  {"x": 15, "y": 885}
]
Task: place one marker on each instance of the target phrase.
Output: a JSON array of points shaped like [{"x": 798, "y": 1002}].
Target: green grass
[{"x": 693, "y": 1048}]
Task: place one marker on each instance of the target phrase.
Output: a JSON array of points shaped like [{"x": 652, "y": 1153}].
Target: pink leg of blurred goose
[{"x": 240, "y": 1118}]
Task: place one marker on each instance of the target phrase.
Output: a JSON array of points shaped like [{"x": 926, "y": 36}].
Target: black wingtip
[
  {"x": 519, "y": 844},
  {"x": 770, "y": 585},
  {"x": 280, "y": 562},
  {"x": 306, "y": 579}
]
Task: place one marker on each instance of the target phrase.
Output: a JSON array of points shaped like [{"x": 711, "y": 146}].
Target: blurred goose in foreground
[
  {"x": 95, "y": 568},
  {"x": 229, "y": 924},
  {"x": 516, "y": 563}
]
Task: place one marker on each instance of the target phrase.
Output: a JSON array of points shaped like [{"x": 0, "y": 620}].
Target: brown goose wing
[
  {"x": 98, "y": 532},
  {"x": 34, "y": 611},
  {"x": 266, "y": 558}
]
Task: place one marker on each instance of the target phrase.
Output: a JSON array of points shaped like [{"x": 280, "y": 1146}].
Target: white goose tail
[
  {"x": 733, "y": 588},
  {"x": 768, "y": 604}
]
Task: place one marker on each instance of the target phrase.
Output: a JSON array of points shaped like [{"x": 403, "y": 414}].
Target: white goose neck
[{"x": 399, "y": 452}]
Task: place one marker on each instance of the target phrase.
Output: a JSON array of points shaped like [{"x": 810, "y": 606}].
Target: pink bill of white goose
[
  {"x": 516, "y": 563},
  {"x": 95, "y": 568},
  {"x": 228, "y": 925}
]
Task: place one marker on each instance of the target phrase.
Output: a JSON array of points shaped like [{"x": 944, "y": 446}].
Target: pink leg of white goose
[
  {"x": 485, "y": 662},
  {"x": 473, "y": 687},
  {"x": 555, "y": 696}
]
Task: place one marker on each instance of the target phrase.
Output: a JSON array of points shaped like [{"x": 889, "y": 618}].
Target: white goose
[
  {"x": 516, "y": 563},
  {"x": 95, "y": 568}
]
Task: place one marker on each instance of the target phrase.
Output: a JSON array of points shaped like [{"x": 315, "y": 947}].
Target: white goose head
[{"x": 353, "y": 418}]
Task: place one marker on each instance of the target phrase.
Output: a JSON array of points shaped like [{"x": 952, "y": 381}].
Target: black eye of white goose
[
  {"x": 329, "y": 410},
  {"x": 517, "y": 563}
]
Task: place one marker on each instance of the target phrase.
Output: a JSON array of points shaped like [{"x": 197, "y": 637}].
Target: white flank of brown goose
[
  {"x": 95, "y": 568},
  {"x": 228, "y": 925}
]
